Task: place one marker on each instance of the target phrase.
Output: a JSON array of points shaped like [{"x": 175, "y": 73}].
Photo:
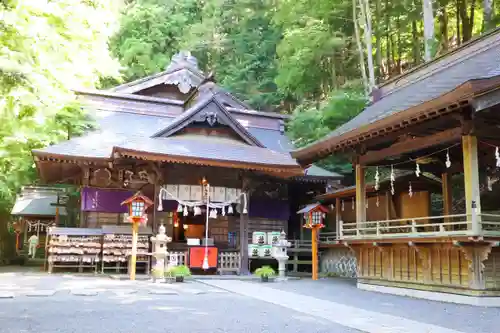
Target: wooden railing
[
  {"x": 300, "y": 243},
  {"x": 490, "y": 224},
  {"x": 328, "y": 237},
  {"x": 229, "y": 262},
  {"x": 429, "y": 226}
]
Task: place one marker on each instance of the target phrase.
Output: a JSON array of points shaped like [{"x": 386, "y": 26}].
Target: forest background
[{"x": 317, "y": 60}]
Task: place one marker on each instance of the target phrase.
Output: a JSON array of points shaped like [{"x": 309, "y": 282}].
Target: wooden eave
[
  {"x": 347, "y": 193},
  {"x": 282, "y": 170},
  {"x": 418, "y": 184},
  {"x": 447, "y": 103},
  {"x": 128, "y": 96},
  {"x": 50, "y": 157}
]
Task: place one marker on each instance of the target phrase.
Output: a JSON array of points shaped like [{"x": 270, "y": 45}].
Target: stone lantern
[
  {"x": 280, "y": 253},
  {"x": 160, "y": 251}
]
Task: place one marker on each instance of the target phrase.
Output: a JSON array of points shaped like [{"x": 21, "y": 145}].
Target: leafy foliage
[
  {"x": 313, "y": 122},
  {"x": 47, "y": 48},
  {"x": 151, "y": 32}
]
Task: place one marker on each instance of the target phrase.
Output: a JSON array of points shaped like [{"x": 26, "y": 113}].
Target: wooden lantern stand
[
  {"x": 137, "y": 205},
  {"x": 315, "y": 224}
]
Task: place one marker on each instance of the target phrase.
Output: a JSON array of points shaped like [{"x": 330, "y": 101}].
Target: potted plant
[
  {"x": 179, "y": 272},
  {"x": 265, "y": 272}
]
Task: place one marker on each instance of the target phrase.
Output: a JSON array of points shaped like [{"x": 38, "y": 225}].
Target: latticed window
[
  {"x": 137, "y": 208},
  {"x": 316, "y": 217}
]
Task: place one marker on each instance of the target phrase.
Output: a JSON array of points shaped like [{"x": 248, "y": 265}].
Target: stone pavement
[
  {"x": 334, "y": 311},
  {"x": 13, "y": 285},
  {"x": 465, "y": 318}
]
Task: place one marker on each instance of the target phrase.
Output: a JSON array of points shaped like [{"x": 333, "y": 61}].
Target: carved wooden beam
[
  {"x": 411, "y": 145},
  {"x": 476, "y": 256}
]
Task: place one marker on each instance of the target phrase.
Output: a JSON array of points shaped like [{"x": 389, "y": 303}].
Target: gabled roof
[
  {"x": 208, "y": 110},
  {"x": 453, "y": 78},
  {"x": 143, "y": 127},
  {"x": 312, "y": 208},
  {"x": 183, "y": 72}
]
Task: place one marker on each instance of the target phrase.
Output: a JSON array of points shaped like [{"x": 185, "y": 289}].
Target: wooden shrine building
[
  {"x": 441, "y": 118},
  {"x": 167, "y": 133}
]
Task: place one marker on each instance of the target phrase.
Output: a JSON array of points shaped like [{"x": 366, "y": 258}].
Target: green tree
[
  {"x": 236, "y": 40},
  {"x": 311, "y": 122},
  {"x": 46, "y": 49},
  {"x": 150, "y": 34}
]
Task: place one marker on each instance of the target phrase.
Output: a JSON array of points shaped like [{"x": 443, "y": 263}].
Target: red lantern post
[
  {"x": 137, "y": 205},
  {"x": 314, "y": 215}
]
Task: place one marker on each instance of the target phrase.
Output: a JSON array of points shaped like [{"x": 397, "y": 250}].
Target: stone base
[{"x": 486, "y": 301}]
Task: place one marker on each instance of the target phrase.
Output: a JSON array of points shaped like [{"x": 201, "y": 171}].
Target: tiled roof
[
  {"x": 202, "y": 147},
  {"x": 478, "y": 59},
  {"x": 132, "y": 132},
  {"x": 128, "y": 130},
  {"x": 480, "y": 65}
]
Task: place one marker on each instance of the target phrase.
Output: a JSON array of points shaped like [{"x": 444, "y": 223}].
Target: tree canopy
[
  {"x": 316, "y": 60},
  {"x": 46, "y": 49}
]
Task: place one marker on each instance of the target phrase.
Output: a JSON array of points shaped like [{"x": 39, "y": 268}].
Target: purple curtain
[
  {"x": 104, "y": 201},
  {"x": 269, "y": 209}
]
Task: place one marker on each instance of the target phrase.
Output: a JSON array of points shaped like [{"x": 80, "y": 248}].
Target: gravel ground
[
  {"x": 107, "y": 313},
  {"x": 469, "y": 319}
]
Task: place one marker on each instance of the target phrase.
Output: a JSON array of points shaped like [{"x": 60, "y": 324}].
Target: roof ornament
[
  {"x": 182, "y": 59},
  {"x": 211, "y": 118}
]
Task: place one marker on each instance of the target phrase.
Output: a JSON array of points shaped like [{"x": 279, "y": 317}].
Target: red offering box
[{"x": 197, "y": 254}]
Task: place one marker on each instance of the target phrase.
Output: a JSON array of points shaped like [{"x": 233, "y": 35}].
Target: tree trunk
[
  {"x": 443, "y": 24},
  {"x": 428, "y": 28},
  {"x": 378, "y": 45},
  {"x": 488, "y": 15},
  {"x": 467, "y": 21},
  {"x": 367, "y": 22},
  {"x": 360, "y": 47},
  {"x": 415, "y": 44},
  {"x": 414, "y": 34},
  {"x": 459, "y": 37},
  {"x": 388, "y": 39},
  {"x": 398, "y": 28}
]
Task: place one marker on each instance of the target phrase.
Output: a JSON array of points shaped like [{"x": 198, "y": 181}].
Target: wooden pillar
[
  {"x": 447, "y": 197},
  {"x": 156, "y": 192},
  {"x": 338, "y": 217},
  {"x": 314, "y": 238},
  {"x": 388, "y": 201},
  {"x": 245, "y": 202},
  {"x": 471, "y": 182},
  {"x": 360, "y": 195},
  {"x": 133, "y": 257}
]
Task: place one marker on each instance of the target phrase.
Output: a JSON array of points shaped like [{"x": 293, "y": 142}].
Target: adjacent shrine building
[{"x": 441, "y": 118}]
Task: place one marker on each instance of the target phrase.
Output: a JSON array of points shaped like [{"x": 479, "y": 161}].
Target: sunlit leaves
[{"x": 47, "y": 48}]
